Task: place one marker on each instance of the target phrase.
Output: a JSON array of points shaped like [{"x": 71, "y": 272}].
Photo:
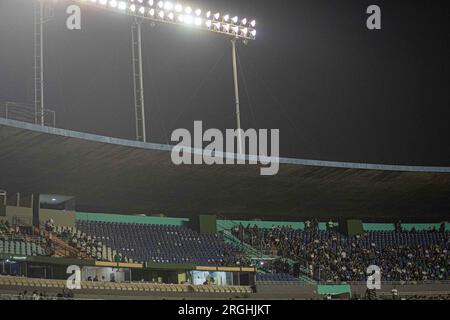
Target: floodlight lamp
[
  {"x": 173, "y": 11},
  {"x": 122, "y": 5},
  {"x": 168, "y": 6},
  {"x": 188, "y": 19},
  {"x": 178, "y": 7}
]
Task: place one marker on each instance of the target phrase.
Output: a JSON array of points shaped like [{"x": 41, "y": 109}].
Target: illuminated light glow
[
  {"x": 168, "y": 6},
  {"x": 122, "y": 5},
  {"x": 173, "y": 11},
  {"x": 188, "y": 19},
  {"x": 178, "y": 7}
]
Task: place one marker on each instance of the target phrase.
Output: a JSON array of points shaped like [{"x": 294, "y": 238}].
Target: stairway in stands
[{"x": 255, "y": 254}]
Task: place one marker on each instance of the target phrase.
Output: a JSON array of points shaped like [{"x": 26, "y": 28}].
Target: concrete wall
[
  {"x": 407, "y": 289},
  {"x": 24, "y": 214},
  {"x": 287, "y": 291},
  {"x": 60, "y": 217}
]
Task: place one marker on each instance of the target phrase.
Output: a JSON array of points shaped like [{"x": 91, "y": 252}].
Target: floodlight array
[{"x": 177, "y": 13}]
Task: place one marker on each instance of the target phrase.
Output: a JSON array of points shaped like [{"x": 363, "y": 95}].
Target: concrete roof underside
[{"x": 121, "y": 176}]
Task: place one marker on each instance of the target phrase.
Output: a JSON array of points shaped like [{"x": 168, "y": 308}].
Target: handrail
[
  {"x": 61, "y": 245},
  {"x": 388, "y": 283},
  {"x": 24, "y": 112}
]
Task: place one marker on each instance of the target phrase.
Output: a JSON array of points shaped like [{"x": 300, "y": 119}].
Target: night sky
[{"x": 336, "y": 90}]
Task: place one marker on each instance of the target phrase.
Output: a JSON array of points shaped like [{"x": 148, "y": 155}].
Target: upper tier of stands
[
  {"x": 162, "y": 243},
  {"x": 332, "y": 257}
]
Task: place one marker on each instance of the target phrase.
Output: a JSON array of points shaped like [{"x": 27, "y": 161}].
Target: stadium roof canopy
[{"x": 120, "y": 176}]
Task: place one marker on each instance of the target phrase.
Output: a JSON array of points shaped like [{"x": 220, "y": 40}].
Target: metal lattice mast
[
  {"x": 236, "y": 95},
  {"x": 138, "y": 81},
  {"x": 39, "y": 117}
]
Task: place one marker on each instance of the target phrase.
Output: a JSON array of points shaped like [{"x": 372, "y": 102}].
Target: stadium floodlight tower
[{"x": 172, "y": 12}]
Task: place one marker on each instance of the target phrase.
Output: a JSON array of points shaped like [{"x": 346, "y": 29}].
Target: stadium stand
[
  {"x": 13, "y": 241},
  {"x": 332, "y": 257},
  {"x": 20, "y": 247},
  {"x": 279, "y": 278},
  {"x": 121, "y": 289},
  {"x": 132, "y": 242}
]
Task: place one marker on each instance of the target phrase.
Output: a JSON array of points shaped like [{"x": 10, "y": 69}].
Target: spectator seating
[
  {"x": 124, "y": 286},
  {"x": 20, "y": 247},
  {"x": 329, "y": 256},
  {"x": 278, "y": 278},
  {"x": 161, "y": 243}
]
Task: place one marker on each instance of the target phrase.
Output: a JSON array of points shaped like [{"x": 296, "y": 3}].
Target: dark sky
[{"x": 336, "y": 90}]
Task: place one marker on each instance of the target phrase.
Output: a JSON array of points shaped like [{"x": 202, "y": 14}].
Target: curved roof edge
[{"x": 165, "y": 147}]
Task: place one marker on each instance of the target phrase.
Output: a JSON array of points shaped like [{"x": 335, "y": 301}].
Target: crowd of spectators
[
  {"x": 65, "y": 294},
  {"x": 88, "y": 247},
  {"x": 329, "y": 256},
  {"x": 23, "y": 233}
]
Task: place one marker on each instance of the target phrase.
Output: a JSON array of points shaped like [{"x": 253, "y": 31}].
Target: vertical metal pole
[
  {"x": 138, "y": 81},
  {"x": 42, "y": 64},
  {"x": 236, "y": 93},
  {"x": 39, "y": 62}
]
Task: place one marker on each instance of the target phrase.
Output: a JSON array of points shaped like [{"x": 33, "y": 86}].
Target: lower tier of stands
[{"x": 47, "y": 284}]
